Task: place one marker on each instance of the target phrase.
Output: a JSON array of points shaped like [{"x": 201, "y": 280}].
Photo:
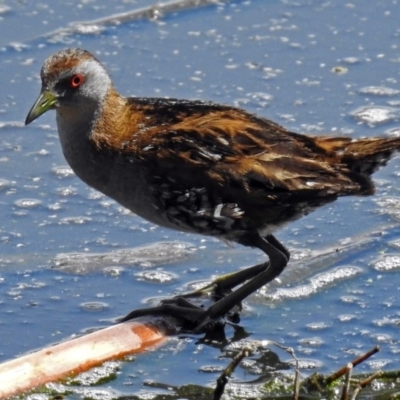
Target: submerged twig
[
  {"x": 340, "y": 372},
  {"x": 227, "y": 372},
  {"x": 320, "y": 383},
  {"x": 364, "y": 383},
  {"x": 346, "y": 386},
  {"x": 296, "y": 389},
  {"x": 296, "y": 385}
]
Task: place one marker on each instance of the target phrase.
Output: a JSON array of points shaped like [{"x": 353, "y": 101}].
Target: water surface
[{"x": 314, "y": 67}]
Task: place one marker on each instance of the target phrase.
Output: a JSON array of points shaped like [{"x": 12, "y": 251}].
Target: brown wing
[
  {"x": 207, "y": 142},
  {"x": 241, "y": 154}
]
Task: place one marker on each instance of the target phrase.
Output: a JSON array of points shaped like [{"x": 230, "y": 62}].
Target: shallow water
[{"x": 312, "y": 66}]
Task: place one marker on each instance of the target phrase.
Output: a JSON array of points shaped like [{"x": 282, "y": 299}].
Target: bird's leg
[
  {"x": 224, "y": 284},
  {"x": 278, "y": 245},
  {"x": 278, "y": 259},
  {"x": 197, "y": 319}
]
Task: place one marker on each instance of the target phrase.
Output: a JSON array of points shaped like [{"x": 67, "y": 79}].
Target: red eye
[{"x": 76, "y": 81}]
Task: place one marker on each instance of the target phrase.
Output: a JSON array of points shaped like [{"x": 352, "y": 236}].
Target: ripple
[
  {"x": 12, "y": 124},
  {"x": 387, "y": 263},
  {"x": 156, "y": 254},
  {"x": 378, "y": 364},
  {"x": 385, "y": 321},
  {"x": 66, "y": 191},
  {"x": 373, "y": 115},
  {"x": 63, "y": 171},
  {"x": 318, "y": 326},
  {"x": 261, "y": 98},
  {"x": 388, "y": 202},
  {"x": 257, "y": 99},
  {"x": 75, "y": 220},
  {"x": 97, "y": 375},
  {"x": 393, "y": 132},
  {"x": 27, "y": 203},
  {"x": 94, "y": 306},
  {"x": 4, "y": 9},
  {"x": 349, "y": 299},
  {"x": 389, "y": 205},
  {"x": 379, "y": 91},
  {"x": 155, "y": 276},
  {"x": 54, "y": 207},
  {"x": 315, "y": 341},
  {"x": 88, "y": 29},
  {"x": 5, "y": 184},
  {"x": 346, "y": 317},
  {"x": 300, "y": 254},
  {"x": 305, "y": 364},
  {"x": 382, "y": 338},
  {"x": 114, "y": 271},
  {"x": 351, "y": 60},
  {"x": 316, "y": 283}
]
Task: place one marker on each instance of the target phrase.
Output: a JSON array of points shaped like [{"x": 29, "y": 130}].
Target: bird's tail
[{"x": 362, "y": 156}]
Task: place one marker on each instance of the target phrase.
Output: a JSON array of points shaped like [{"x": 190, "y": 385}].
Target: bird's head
[{"x": 72, "y": 79}]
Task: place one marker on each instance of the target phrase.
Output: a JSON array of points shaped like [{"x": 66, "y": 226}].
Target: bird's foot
[{"x": 191, "y": 317}]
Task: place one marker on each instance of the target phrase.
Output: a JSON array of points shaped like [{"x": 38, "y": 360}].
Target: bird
[{"x": 200, "y": 167}]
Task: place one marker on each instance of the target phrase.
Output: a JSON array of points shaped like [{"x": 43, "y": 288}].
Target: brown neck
[{"x": 117, "y": 123}]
